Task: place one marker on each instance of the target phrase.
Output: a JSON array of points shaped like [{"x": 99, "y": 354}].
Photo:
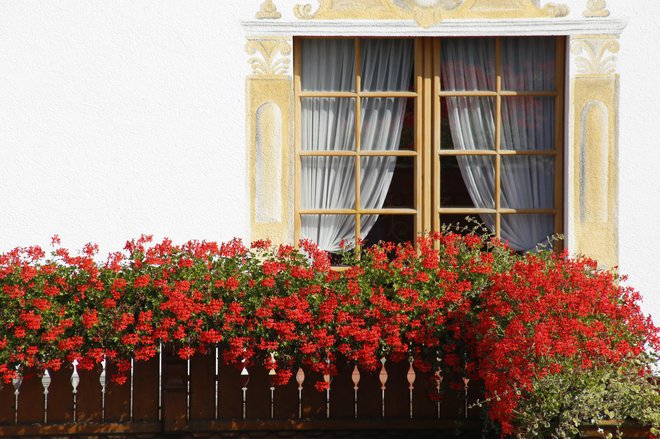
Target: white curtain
[
  {"x": 386, "y": 66},
  {"x": 328, "y": 124},
  {"x": 527, "y": 123}
]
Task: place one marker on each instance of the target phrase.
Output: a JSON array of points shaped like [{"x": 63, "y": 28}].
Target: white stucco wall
[{"x": 122, "y": 117}]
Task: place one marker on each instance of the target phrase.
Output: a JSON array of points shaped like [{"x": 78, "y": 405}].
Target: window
[{"x": 398, "y": 136}]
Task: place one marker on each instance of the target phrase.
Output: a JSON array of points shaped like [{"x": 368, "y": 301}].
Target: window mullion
[
  {"x": 427, "y": 124},
  {"x": 358, "y": 141},
  {"x": 559, "y": 137},
  {"x": 297, "y": 55},
  {"x": 420, "y": 224},
  {"x": 437, "y": 123},
  {"x": 498, "y": 131}
]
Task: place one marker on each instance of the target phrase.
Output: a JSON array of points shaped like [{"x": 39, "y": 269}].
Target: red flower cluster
[
  {"x": 464, "y": 303},
  {"x": 549, "y": 313}
]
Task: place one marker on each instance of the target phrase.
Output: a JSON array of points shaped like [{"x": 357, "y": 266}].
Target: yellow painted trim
[
  {"x": 594, "y": 104},
  {"x": 596, "y": 167},
  {"x": 269, "y": 116},
  {"x": 427, "y": 13}
]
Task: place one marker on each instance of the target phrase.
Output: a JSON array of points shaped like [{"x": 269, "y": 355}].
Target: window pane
[
  {"x": 468, "y": 64},
  {"x": 387, "y": 182},
  {"x": 525, "y": 232},
  {"x": 386, "y": 64},
  {"x": 383, "y": 123},
  {"x": 528, "y": 123},
  {"x": 389, "y": 228},
  {"x": 529, "y": 64},
  {"x": 328, "y": 65},
  {"x": 328, "y": 182},
  {"x": 467, "y": 123},
  {"x": 528, "y": 182},
  {"x": 329, "y": 231},
  {"x": 467, "y": 181},
  {"x": 328, "y": 124}
]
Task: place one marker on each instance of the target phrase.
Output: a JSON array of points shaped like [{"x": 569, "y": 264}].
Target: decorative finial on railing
[
  {"x": 245, "y": 379},
  {"x": 16, "y": 382},
  {"x": 466, "y": 383},
  {"x": 411, "y": 376},
  {"x": 355, "y": 376},
  {"x": 45, "y": 383},
  {"x": 75, "y": 380},
  {"x": 438, "y": 385},
  {"x": 272, "y": 376},
  {"x": 268, "y": 11},
  {"x": 382, "y": 376},
  {"x": 300, "y": 379},
  {"x": 103, "y": 381},
  {"x": 596, "y": 8}
]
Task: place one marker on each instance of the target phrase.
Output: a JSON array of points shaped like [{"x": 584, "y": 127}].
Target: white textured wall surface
[
  {"x": 639, "y": 149},
  {"x": 122, "y": 117}
]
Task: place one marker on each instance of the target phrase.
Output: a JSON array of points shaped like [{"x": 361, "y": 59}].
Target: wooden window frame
[{"x": 428, "y": 94}]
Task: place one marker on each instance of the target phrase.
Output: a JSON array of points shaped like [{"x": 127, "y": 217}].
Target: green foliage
[{"x": 560, "y": 403}]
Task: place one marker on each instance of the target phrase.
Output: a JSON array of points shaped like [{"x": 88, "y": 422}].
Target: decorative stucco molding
[
  {"x": 449, "y": 28},
  {"x": 268, "y": 164},
  {"x": 596, "y": 8},
  {"x": 269, "y": 117},
  {"x": 271, "y": 56},
  {"x": 595, "y": 55},
  {"x": 427, "y": 13},
  {"x": 268, "y": 11},
  {"x": 594, "y": 109},
  {"x": 594, "y": 163}
]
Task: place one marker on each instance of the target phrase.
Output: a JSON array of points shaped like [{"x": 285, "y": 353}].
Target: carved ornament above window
[{"x": 428, "y": 12}]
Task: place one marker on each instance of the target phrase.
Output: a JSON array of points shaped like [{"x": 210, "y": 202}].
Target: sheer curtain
[
  {"x": 386, "y": 66},
  {"x": 527, "y": 124},
  {"x": 328, "y": 124},
  {"x": 469, "y": 64}
]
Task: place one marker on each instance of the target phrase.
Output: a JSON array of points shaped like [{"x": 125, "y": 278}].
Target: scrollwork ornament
[
  {"x": 596, "y": 8},
  {"x": 303, "y": 12},
  {"x": 556, "y": 10},
  {"x": 426, "y": 12},
  {"x": 269, "y": 11},
  {"x": 271, "y": 56},
  {"x": 595, "y": 56}
]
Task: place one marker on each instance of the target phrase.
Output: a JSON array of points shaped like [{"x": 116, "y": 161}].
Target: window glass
[
  {"x": 400, "y": 191},
  {"x": 528, "y": 122},
  {"x": 456, "y": 170},
  {"x": 468, "y": 122},
  {"x": 329, "y": 183},
  {"x": 388, "y": 228},
  {"x": 328, "y": 124},
  {"x": 468, "y": 64},
  {"x": 328, "y": 65},
  {"x": 528, "y": 182},
  {"x": 386, "y": 64},
  {"x": 529, "y": 64}
]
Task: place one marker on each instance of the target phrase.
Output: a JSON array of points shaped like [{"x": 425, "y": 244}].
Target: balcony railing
[{"x": 202, "y": 396}]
